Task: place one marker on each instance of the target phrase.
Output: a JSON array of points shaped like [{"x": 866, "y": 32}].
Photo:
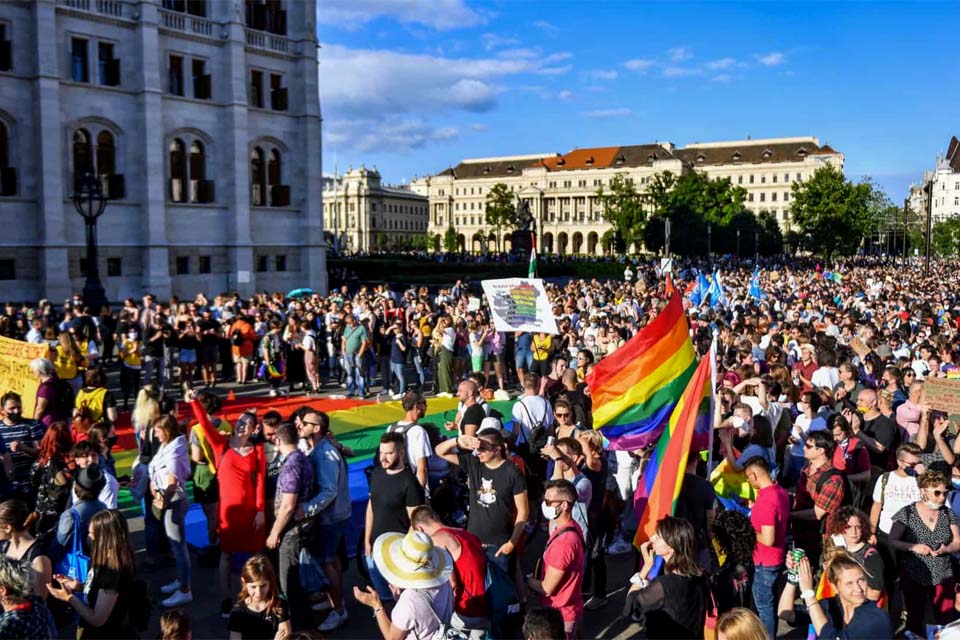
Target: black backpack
[
  {"x": 62, "y": 406},
  {"x": 140, "y": 605},
  {"x": 538, "y": 432}
]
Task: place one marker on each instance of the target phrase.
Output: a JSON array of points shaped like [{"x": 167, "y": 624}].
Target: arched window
[
  {"x": 4, "y": 146},
  {"x": 82, "y": 153},
  {"x": 273, "y": 169},
  {"x": 178, "y": 171},
  {"x": 8, "y": 174},
  {"x": 106, "y": 155},
  {"x": 258, "y": 178},
  {"x": 198, "y": 172}
]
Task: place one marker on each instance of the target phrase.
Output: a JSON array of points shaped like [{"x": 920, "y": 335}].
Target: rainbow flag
[
  {"x": 635, "y": 389},
  {"x": 660, "y": 483}
]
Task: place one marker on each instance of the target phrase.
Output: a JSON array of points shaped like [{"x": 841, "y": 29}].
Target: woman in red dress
[{"x": 241, "y": 471}]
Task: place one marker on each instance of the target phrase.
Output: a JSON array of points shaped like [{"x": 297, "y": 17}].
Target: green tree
[
  {"x": 830, "y": 214},
  {"x": 623, "y": 209},
  {"x": 945, "y": 238},
  {"x": 691, "y": 202},
  {"x": 501, "y": 209},
  {"x": 450, "y": 244}
]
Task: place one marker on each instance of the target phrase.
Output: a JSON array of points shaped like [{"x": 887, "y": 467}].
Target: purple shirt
[{"x": 296, "y": 476}]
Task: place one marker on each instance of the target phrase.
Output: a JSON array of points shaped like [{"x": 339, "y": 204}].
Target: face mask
[
  {"x": 13, "y": 416},
  {"x": 910, "y": 471},
  {"x": 782, "y": 398},
  {"x": 802, "y": 407},
  {"x": 955, "y": 483},
  {"x": 737, "y": 422},
  {"x": 862, "y": 410},
  {"x": 131, "y": 336},
  {"x": 932, "y": 505},
  {"x": 550, "y": 513}
]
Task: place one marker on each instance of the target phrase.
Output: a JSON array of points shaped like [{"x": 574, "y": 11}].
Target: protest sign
[
  {"x": 859, "y": 347},
  {"x": 943, "y": 394},
  {"x": 15, "y": 374},
  {"x": 520, "y": 304}
]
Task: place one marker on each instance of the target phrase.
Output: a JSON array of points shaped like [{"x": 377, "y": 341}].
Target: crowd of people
[{"x": 847, "y": 522}]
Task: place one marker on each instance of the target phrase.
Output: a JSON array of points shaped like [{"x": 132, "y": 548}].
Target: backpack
[
  {"x": 537, "y": 439},
  {"x": 140, "y": 605},
  {"x": 237, "y": 338},
  {"x": 503, "y": 602},
  {"x": 62, "y": 406}
]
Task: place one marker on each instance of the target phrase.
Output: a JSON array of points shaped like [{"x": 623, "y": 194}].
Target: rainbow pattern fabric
[
  {"x": 635, "y": 389},
  {"x": 660, "y": 483}
]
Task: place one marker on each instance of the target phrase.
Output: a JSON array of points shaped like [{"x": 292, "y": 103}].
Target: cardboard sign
[
  {"x": 943, "y": 394},
  {"x": 859, "y": 347},
  {"x": 15, "y": 374}
]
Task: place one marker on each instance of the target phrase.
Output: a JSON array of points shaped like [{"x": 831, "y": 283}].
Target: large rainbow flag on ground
[
  {"x": 660, "y": 483},
  {"x": 636, "y": 388}
]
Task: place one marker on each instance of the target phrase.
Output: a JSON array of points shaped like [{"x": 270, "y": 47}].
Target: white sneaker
[
  {"x": 178, "y": 598},
  {"x": 167, "y": 589},
  {"x": 333, "y": 621},
  {"x": 396, "y": 396},
  {"x": 273, "y": 393},
  {"x": 619, "y": 547}
]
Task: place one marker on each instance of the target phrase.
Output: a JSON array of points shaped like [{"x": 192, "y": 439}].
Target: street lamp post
[
  {"x": 90, "y": 202},
  {"x": 929, "y": 188},
  {"x": 756, "y": 245},
  {"x": 709, "y": 240},
  {"x": 738, "y": 246},
  {"x": 906, "y": 207}
]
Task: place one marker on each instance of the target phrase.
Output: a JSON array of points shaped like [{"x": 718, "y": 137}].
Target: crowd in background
[{"x": 823, "y": 412}]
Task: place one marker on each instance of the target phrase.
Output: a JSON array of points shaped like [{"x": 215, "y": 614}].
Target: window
[
  {"x": 8, "y": 269},
  {"x": 763, "y": 179},
  {"x": 750, "y": 197},
  {"x": 267, "y": 15},
  {"x": 202, "y": 89},
  {"x": 176, "y": 75},
  {"x": 774, "y": 178},
  {"x": 786, "y": 177},
  {"x": 178, "y": 171},
  {"x": 108, "y": 67},
  {"x": 78, "y": 60},
  {"x": 261, "y": 264},
  {"x": 956, "y": 201},
  {"x": 258, "y": 179},
  {"x": 82, "y": 153},
  {"x": 279, "y": 193},
  {"x": 786, "y": 196},
  {"x": 8, "y": 174},
  {"x": 114, "y": 267},
  {"x": 739, "y": 179},
  {"x": 6, "y": 61},
  {"x": 281, "y": 263},
  {"x": 204, "y": 266},
  {"x": 773, "y": 196},
  {"x": 278, "y": 93},
  {"x": 256, "y": 88},
  {"x": 751, "y": 178},
  {"x": 100, "y": 161},
  {"x": 201, "y": 189},
  {"x": 763, "y": 197},
  {"x": 193, "y": 7},
  {"x": 183, "y": 265}
]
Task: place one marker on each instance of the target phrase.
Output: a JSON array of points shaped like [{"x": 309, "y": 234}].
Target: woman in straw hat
[{"x": 419, "y": 576}]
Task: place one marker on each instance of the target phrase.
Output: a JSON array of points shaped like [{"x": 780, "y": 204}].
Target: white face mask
[
  {"x": 932, "y": 505},
  {"x": 783, "y": 398},
  {"x": 802, "y": 407},
  {"x": 550, "y": 513}
]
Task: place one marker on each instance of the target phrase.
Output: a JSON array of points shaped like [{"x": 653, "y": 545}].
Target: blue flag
[
  {"x": 755, "y": 291},
  {"x": 700, "y": 291},
  {"x": 717, "y": 294}
]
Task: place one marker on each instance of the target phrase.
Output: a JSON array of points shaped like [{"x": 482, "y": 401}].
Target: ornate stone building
[
  {"x": 562, "y": 188},
  {"x": 362, "y": 214},
  {"x": 200, "y": 117}
]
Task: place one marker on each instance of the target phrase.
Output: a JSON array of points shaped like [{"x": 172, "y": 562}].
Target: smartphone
[{"x": 550, "y": 441}]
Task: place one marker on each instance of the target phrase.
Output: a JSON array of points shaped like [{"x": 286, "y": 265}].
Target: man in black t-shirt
[
  {"x": 696, "y": 504},
  {"x": 498, "y": 493},
  {"x": 209, "y": 347},
  {"x": 394, "y": 494},
  {"x": 879, "y": 434},
  {"x": 472, "y": 413}
]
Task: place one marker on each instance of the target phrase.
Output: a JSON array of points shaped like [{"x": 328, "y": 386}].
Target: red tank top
[{"x": 471, "y": 566}]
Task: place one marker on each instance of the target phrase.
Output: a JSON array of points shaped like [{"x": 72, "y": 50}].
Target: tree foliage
[
  {"x": 622, "y": 207},
  {"x": 831, "y": 215},
  {"x": 501, "y": 210},
  {"x": 705, "y": 212},
  {"x": 450, "y": 241},
  {"x": 945, "y": 237}
]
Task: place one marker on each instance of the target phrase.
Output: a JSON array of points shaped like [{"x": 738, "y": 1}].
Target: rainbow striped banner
[
  {"x": 660, "y": 483},
  {"x": 635, "y": 389}
]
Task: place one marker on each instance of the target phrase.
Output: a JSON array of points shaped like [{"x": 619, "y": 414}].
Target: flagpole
[{"x": 714, "y": 405}]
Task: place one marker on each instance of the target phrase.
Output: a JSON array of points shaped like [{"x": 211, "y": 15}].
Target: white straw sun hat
[{"x": 411, "y": 561}]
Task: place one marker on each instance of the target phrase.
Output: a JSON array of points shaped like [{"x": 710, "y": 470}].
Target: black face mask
[{"x": 13, "y": 416}]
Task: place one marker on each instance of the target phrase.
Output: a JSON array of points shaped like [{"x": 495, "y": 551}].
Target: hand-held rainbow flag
[
  {"x": 660, "y": 483},
  {"x": 635, "y": 389}
]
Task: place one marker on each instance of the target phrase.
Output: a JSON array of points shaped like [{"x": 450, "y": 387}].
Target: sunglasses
[
  {"x": 562, "y": 415},
  {"x": 937, "y": 493}
]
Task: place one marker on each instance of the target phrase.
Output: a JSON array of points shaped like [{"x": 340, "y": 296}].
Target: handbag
[
  {"x": 75, "y": 563},
  {"x": 444, "y": 631}
]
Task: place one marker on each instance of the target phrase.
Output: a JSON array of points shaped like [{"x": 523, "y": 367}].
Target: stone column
[
  {"x": 156, "y": 260},
  {"x": 52, "y": 210},
  {"x": 236, "y": 161}
]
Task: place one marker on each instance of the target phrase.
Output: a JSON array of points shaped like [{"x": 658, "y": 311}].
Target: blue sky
[{"x": 414, "y": 86}]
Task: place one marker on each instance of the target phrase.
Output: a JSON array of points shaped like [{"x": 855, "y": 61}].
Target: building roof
[
  {"x": 953, "y": 154},
  {"x": 493, "y": 168},
  {"x": 593, "y": 158},
  {"x": 750, "y": 152}
]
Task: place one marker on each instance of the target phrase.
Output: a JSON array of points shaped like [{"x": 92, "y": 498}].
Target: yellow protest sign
[{"x": 15, "y": 374}]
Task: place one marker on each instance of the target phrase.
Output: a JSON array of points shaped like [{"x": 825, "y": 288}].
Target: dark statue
[
  {"x": 522, "y": 238},
  {"x": 524, "y": 217}
]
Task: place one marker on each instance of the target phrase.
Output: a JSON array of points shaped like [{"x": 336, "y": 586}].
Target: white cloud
[
  {"x": 565, "y": 95},
  {"x": 604, "y": 74},
  {"x": 640, "y": 64},
  {"x": 492, "y": 41},
  {"x": 722, "y": 63},
  {"x": 547, "y": 27},
  {"x": 680, "y": 72},
  {"x": 366, "y": 92},
  {"x": 721, "y": 77},
  {"x": 439, "y": 14},
  {"x": 479, "y": 127},
  {"x": 771, "y": 59},
  {"x": 679, "y": 54},
  {"x": 616, "y": 112}
]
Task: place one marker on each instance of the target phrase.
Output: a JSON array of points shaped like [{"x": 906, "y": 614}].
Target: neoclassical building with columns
[
  {"x": 201, "y": 118},
  {"x": 561, "y": 189}
]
